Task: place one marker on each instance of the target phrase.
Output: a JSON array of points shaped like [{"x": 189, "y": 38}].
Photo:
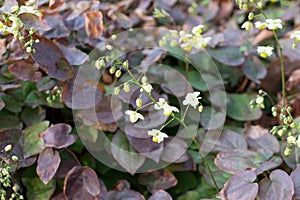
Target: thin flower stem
[
  {"x": 166, "y": 124},
  {"x": 148, "y": 104},
  {"x": 187, "y": 129},
  {"x": 185, "y": 112},
  {"x": 280, "y": 57}
]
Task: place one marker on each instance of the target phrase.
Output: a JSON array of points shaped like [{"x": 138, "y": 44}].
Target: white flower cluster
[
  {"x": 296, "y": 36},
  {"x": 271, "y": 24},
  {"x": 191, "y": 99},
  {"x": 187, "y": 41}
]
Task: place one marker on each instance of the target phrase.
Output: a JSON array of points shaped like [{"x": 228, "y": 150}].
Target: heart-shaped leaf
[
  {"x": 32, "y": 142},
  {"x": 58, "y": 136},
  {"x": 47, "y": 164},
  {"x": 240, "y": 187},
  {"x": 254, "y": 69},
  {"x": 81, "y": 183},
  {"x": 268, "y": 165},
  {"x": 279, "y": 186}
]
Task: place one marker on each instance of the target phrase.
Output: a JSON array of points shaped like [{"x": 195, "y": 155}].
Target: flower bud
[
  {"x": 14, "y": 158},
  {"x": 126, "y": 87},
  {"x": 112, "y": 70},
  {"x": 251, "y": 16},
  {"x": 200, "y": 108},
  {"x": 139, "y": 102},
  {"x": 144, "y": 79},
  {"x": 116, "y": 90},
  {"x": 118, "y": 73},
  {"x": 8, "y": 148}
]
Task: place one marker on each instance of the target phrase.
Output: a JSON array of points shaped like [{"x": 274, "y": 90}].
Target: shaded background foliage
[{"x": 36, "y": 103}]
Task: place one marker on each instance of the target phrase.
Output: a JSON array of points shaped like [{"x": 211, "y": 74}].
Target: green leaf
[
  {"x": 8, "y": 121},
  {"x": 238, "y": 107},
  {"x": 11, "y": 103},
  {"x": 230, "y": 55},
  {"x": 36, "y": 189},
  {"x": 32, "y": 143}
]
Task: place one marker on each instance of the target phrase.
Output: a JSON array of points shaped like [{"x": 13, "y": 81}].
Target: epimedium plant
[{"x": 43, "y": 44}]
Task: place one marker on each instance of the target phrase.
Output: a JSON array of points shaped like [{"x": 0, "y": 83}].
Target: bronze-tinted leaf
[
  {"x": 32, "y": 20},
  {"x": 268, "y": 165},
  {"x": 47, "y": 164},
  {"x": 58, "y": 136},
  {"x": 295, "y": 175},
  {"x": 93, "y": 24},
  {"x": 73, "y": 55},
  {"x": 237, "y": 160},
  {"x": 294, "y": 80},
  {"x": 51, "y": 59},
  {"x": 227, "y": 140},
  {"x": 279, "y": 186},
  {"x": 124, "y": 194},
  {"x": 160, "y": 195},
  {"x": 81, "y": 183},
  {"x": 55, "y": 3},
  {"x": 240, "y": 187},
  {"x": 25, "y": 70},
  {"x": 156, "y": 180},
  {"x": 260, "y": 138}
]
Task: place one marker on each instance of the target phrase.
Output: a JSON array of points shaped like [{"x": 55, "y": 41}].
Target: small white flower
[
  {"x": 167, "y": 109},
  {"x": 197, "y": 30},
  {"x": 247, "y": 25},
  {"x": 291, "y": 139},
  {"x": 260, "y": 25},
  {"x": 8, "y": 148},
  {"x": 147, "y": 86},
  {"x": 202, "y": 42},
  {"x": 157, "y": 135},
  {"x": 192, "y": 99},
  {"x": 296, "y": 35},
  {"x": 160, "y": 104},
  {"x": 134, "y": 116},
  {"x": 264, "y": 51},
  {"x": 185, "y": 38},
  {"x": 274, "y": 24}
]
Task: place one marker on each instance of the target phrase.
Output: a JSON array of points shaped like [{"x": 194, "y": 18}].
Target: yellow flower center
[{"x": 263, "y": 54}]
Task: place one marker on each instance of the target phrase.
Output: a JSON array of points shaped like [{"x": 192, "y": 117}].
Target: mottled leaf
[
  {"x": 7, "y": 5},
  {"x": 124, "y": 194},
  {"x": 32, "y": 143},
  {"x": 81, "y": 183},
  {"x": 58, "y": 136},
  {"x": 156, "y": 180},
  {"x": 279, "y": 186},
  {"x": 51, "y": 59},
  {"x": 238, "y": 107},
  {"x": 58, "y": 28},
  {"x": 47, "y": 164},
  {"x": 240, "y": 187},
  {"x": 32, "y": 116},
  {"x": 25, "y": 70},
  {"x": 10, "y": 122}
]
